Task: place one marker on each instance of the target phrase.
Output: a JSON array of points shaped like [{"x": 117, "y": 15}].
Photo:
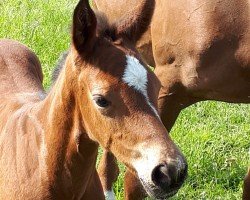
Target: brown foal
[
  {"x": 200, "y": 50},
  {"x": 103, "y": 95}
]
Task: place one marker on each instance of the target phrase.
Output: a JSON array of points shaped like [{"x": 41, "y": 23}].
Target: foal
[{"x": 104, "y": 95}]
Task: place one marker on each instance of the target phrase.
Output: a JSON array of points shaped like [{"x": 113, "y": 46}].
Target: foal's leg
[
  {"x": 94, "y": 189},
  {"x": 133, "y": 188},
  {"x": 246, "y": 189},
  {"x": 108, "y": 172}
]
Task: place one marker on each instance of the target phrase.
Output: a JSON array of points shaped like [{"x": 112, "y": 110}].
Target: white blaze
[{"x": 136, "y": 76}]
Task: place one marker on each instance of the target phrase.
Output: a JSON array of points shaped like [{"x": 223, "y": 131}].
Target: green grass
[
  {"x": 215, "y": 137},
  {"x": 44, "y": 26}
]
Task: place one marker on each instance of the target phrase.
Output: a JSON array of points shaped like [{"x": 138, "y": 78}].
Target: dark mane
[{"x": 59, "y": 66}]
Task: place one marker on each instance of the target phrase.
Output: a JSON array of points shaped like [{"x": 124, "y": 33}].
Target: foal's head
[{"x": 117, "y": 97}]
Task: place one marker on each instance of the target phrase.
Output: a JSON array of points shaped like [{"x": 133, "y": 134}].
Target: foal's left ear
[{"x": 84, "y": 27}]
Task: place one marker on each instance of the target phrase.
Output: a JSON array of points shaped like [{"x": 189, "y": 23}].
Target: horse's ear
[
  {"x": 136, "y": 22},
  {"x": 84, "y": 27}
]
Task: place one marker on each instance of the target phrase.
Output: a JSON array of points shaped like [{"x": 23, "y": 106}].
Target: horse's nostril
[
  {"x": 169, "y": 176},
  {"x": 160, "y": 176}
]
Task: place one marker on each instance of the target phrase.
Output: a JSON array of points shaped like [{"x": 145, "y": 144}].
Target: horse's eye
[{"x": 101, "y": 101}]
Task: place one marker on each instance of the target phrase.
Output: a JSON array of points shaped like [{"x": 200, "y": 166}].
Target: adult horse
[
  {"x": 104, "y": 95},
  {"x": 200, "y": 50}
]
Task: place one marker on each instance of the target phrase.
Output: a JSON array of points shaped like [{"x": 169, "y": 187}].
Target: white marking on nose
[
  {"x": 109, "y": 195},
  {"x": 150, "y": 158},
  {"x": 135, "y": 75}
]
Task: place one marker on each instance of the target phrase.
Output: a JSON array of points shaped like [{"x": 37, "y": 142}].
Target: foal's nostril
[
  {"x": 169, "y": 176},
  {"x": 160, "y": 176}
]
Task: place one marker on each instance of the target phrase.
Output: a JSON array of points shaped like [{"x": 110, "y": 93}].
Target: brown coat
[
  {"x": 200, "y": 50},
  {"x": 104, "y": 95}
]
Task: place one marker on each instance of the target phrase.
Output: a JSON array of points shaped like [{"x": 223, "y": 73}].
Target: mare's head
[{"x": 117, "y": 97}]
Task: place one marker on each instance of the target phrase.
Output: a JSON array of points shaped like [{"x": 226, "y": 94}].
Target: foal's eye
[{"x": 101, "y": 101}]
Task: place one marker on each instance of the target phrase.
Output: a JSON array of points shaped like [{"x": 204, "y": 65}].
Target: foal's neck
[{"x": 71, "y": 155}]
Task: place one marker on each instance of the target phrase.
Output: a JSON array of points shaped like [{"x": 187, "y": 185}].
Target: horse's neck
[{"x": 70, "y": 154}]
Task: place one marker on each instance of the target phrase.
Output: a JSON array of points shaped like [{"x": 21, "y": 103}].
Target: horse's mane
[{"x": 59, "y": 66}]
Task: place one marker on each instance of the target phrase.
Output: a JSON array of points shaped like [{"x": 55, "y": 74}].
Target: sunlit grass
[{"x": 215, "y": 137}]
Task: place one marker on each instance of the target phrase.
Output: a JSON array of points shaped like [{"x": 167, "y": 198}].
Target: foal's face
[
  {"x": 118, "y": 98},
  {"x": 117, "y": 94}
]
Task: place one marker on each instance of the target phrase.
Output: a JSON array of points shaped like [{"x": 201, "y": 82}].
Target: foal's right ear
[{"x": 84, "y": 27}]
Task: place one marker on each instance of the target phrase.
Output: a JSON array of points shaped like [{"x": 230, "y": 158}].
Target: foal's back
[{"x": 20, "y": 69}]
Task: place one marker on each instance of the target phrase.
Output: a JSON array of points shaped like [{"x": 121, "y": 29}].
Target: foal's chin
[{"x": 156, "y": 192}]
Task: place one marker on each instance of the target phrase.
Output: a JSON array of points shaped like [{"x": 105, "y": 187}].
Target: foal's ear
[
  {"x": 135, "y": 23},
  {"x": 84, "y": 27}
]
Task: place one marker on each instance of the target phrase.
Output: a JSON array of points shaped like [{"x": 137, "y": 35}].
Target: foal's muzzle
[{"x": 169, "y": 177}]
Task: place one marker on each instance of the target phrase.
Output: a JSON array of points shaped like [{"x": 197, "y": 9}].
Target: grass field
[{"x": 215, "y": 137}]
